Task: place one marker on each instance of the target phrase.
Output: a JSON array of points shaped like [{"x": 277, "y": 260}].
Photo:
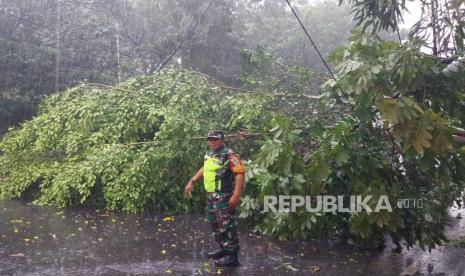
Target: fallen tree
[{"x": 75, "y": 151}]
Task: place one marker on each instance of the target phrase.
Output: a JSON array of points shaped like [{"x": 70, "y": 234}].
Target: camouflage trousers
[{"x": 223, "y": 221}]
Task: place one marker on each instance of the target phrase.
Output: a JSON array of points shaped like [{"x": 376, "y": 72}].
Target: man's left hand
[{"x": 233, "y": 201}]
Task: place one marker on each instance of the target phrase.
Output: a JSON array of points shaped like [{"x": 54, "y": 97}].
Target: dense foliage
[
  {"x": 73, "y": 152},
  {"x": 398, "y": 109},
  {"x": 397, "y": 146}
]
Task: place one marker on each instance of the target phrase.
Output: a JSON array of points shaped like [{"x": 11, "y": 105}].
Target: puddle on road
[{"x": 48, "y": 241}]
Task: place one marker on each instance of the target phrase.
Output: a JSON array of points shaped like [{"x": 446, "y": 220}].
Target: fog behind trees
[{"x": 49, "y": 45}]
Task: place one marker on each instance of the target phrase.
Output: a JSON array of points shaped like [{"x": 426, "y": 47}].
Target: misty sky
[{"x": 414, "y": 13}]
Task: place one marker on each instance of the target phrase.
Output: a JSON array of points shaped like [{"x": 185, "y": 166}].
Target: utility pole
[
  {"x": 434, "y": 25},
  {"x": 118, "y": 64},
  {"x": 57, "y": 48}
]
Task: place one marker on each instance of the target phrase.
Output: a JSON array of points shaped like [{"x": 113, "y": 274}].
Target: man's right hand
[{"x": 188, "y": 188}]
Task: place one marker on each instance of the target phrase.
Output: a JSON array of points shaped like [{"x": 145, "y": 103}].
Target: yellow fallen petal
[
  {"x": 166, "y": 219},
  {"x": 163, "y": 252}
]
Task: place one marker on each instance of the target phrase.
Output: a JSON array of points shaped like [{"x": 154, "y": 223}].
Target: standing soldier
[{"x": 221, "y": 168}]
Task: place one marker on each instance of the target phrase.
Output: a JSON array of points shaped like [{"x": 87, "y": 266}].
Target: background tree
[
  {"x": 47, "y": 46},
  {"x": 52, "y": 44}
]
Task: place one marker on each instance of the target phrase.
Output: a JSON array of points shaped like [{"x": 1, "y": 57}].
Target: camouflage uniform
[
  {"x": 223, "y": 221},
  {"x": 219, "y": 170}
]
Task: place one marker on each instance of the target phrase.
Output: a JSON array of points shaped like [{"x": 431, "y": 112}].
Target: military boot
[
  {"x": 217, "y": 254},
  {"x": 229, "y": 259}
]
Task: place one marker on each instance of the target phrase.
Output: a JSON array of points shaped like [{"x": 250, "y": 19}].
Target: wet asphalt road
[{"x": 48, "y": 241}]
